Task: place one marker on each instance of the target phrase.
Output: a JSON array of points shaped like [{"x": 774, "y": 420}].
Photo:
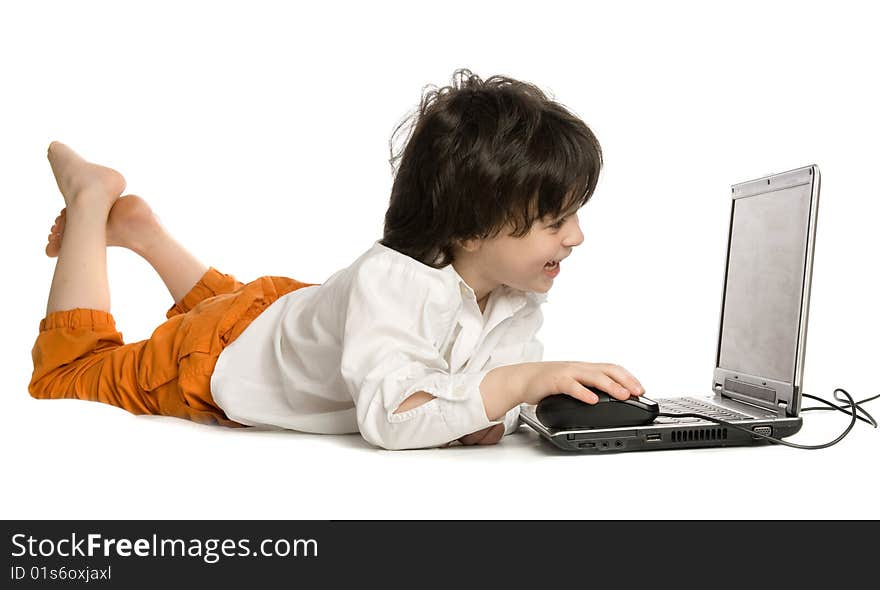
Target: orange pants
[{"x": 79, "y": 354}]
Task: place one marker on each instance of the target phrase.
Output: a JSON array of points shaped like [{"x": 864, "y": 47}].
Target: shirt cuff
[
  {"x": 511, "y": 420},
  {"x": 463, "y": 410}
]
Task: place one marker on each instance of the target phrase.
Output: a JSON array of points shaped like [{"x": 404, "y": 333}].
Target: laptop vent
[{"x": 698, "y": 434}]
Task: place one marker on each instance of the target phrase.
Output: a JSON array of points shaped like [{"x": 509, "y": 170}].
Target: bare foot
[
  {"x": 131, "y": 224},
  {"x": 76, "y": 176}
]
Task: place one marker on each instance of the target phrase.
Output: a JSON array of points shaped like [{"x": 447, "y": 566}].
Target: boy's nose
[{"x": 576, "y": 238}]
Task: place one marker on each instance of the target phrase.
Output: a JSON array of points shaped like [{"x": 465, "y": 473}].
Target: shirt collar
[{"x": 513, "y": 299}]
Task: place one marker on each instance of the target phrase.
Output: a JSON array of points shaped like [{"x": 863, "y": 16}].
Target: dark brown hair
[{"x": 478, "y": 156}]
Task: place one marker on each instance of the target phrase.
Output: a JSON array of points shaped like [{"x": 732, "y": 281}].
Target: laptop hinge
[
  {"x": 737, "y": 393},
  {"x": 746, "y": 401}
]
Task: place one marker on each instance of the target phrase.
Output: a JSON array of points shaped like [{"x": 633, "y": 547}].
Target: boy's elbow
[{"x": 399, "y": 434}]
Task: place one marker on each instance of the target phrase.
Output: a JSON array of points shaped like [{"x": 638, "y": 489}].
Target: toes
[{"x": 58, "y": 226}]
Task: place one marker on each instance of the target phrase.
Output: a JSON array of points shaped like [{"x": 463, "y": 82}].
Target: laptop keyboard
[{"x": 690, "y": 405}]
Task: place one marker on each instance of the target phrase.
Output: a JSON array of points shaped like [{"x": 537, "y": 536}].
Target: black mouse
[{"x": 564, "y": 412}]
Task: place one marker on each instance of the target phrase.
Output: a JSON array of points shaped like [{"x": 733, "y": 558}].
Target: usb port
[{"x": 653, "y": 437}]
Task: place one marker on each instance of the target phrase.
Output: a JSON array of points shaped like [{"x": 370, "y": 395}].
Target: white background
[{"x": 259, "y": 133}]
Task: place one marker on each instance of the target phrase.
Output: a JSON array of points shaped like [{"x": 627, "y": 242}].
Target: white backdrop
[{"x": 259, "y": 133}]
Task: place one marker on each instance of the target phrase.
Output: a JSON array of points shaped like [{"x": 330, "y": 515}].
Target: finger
[
  {"x": 469, "y": 439},
  {"x": 578, "y": 390},
  {"x": 474, "y": 438},
  {"x": 493, "y": 435},
  {"x": 603, "y": 382},
  {"x": 624, "y": 378}
]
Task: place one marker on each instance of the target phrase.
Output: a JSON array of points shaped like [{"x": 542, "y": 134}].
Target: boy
[{"x": 427, "y": 338}]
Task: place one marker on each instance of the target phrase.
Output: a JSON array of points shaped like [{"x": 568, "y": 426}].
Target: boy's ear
[{"x": 470, "y": 244}]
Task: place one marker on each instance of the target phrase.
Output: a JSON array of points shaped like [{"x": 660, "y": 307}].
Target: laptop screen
[{"x": 764, "y": 286}]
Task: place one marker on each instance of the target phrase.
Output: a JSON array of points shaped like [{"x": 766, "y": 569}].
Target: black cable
[
  {"x": 854, "y": 407},
  {"x": 870, "y": 419}
]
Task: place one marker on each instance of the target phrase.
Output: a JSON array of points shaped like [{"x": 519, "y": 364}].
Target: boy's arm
[
  {"x": 389, "y": 354},
  {"x": 501, "y": 390},
  {"x": 518, "y": 345}
]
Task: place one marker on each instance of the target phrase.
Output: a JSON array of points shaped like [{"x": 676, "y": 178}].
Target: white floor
[{"x": 71, "y": 459}]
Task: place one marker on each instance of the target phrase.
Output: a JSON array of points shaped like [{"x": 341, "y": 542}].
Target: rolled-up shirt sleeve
[{"x": 389, "y": 352}]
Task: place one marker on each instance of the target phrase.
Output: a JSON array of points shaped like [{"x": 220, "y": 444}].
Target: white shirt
[{"x": 342, "y": 356}]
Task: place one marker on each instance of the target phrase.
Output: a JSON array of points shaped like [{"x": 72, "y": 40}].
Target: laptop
[{"x": 762, "y": 334}]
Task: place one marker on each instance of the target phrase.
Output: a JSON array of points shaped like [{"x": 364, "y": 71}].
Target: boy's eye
[{"x": 559, "y": 223}]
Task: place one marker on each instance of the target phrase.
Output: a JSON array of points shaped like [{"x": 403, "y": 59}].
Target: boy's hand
[
  {"x": 571, "y": 377},
  {"x": 487, "y": 436}
]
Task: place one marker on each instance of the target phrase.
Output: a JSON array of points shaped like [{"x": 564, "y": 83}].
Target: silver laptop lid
[{"x": 765, "y": 300}]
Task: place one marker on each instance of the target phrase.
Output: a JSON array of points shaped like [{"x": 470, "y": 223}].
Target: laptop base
[{"x": 661, "y": 436}]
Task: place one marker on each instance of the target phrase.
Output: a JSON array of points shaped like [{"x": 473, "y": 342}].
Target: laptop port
[
  {"x": 653, "y": 437},
  {"x": 768, "y": 430}
]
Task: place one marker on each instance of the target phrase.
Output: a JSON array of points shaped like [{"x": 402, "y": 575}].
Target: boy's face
[
  {"x": 520, "y": 263},
  {"x": 523, "y": 261}
]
